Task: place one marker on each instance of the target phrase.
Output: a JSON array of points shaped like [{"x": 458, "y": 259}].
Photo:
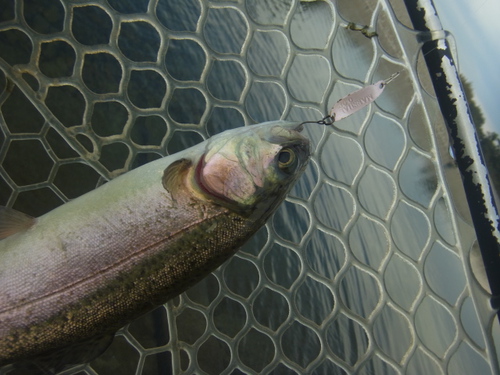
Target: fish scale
[{"x": 149, "y": 284}]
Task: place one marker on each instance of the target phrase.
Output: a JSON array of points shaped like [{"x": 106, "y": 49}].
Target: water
[{"x": 364, "y": 269}]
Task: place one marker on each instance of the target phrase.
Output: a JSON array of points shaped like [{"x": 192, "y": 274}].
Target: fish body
[{"x": 97, "y": 262}]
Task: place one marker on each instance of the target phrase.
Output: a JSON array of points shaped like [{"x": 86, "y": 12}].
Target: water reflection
[
  {"x": 268, "y": 64},
  {"x": 435, "y": 326},
  {"x": 225, "y": 30},
  {"x": 468, "y": 317},
  {"x": 342, "y": 158},
  {"x": 312, "y": 290},
  {"x": 380, "y": 200},
  {"x": 378, "y": 366},
  {"x": 269, "y": 12},
  {"x": 300, "y": 344},
  {"x": 282, "y": 266},
  {"x": 340, "y": 209},
  {"x": 325, "y": 254},
  {"x": 369, "y": 242},
  {"x": 383, "y": 149},
  {"x": 256, "y": 350},
  {"x": 389, "y": 324},
  {"x": 271, "y": 309},
  {"x": 232, "y": 276},
  {"x": 313, "y": 69},
  {"x": 402, "y": 282},
  {"x": 444, "y": 222},
  {"x": 352, "y": 54},
  {"x": 418, "y": 178},
  {"x": 175, "y": 15},
  {"x": 410, "y": 229},
  {"x": 353, "y": 281},
  {"x": 423, "y": 363},
  {"x": 221, "y": 74},
  {"x": 232, "y": 312},
  {"x": 291, "y": 222},
  {"x": 319, "y": 13},
  {"x": 185, "y": 59},
  {"x": 347, "y": 339},
  {"x": 468, "y": 361},
  {"x": 444, "y": 273},
  {"x": 265, "y": 101}
]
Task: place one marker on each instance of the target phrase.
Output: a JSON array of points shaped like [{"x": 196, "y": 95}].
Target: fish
[{"x": 95, "y": 263}]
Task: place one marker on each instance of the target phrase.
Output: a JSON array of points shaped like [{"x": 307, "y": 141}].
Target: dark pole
[{"x": 465, "y": 143}]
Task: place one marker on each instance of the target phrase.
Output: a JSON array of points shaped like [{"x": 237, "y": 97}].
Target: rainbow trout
[{"x": 94, "y": 264}]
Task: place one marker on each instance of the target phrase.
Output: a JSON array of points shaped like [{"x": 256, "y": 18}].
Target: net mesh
[{"x": 371, "y": 264}]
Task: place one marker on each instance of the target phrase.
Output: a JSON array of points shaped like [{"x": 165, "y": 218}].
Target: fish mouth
[
  {"x": 294, "y": 126},
  {"x": 287, "y": 133},
  {"x": 299, "y": 127}
]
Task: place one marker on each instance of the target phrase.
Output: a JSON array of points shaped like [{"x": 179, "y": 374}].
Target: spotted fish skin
[{"x": 94, "y": 264}]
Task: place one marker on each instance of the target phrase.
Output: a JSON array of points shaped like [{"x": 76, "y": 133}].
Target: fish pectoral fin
[
  {"x": 174, "y": 176},
  {"x": 12, "y": 221}
]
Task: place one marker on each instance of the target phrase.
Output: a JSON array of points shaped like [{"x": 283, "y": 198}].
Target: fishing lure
[{"x": 355, "y": 101}]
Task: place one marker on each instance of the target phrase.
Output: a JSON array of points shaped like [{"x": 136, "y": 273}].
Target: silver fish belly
[{"x": 94, "y": 264}]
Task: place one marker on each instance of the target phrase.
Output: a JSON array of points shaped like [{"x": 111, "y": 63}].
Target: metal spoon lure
[{"x": 355, "y": 101}]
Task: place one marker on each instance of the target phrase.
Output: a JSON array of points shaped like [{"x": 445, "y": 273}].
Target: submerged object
[{"x": 91, "y": 265}]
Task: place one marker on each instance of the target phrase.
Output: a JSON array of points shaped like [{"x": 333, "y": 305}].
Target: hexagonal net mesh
[{"x": 369, "y": 265}]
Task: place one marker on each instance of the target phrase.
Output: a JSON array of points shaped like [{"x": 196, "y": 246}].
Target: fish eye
[{"x": 287, "y": 160}]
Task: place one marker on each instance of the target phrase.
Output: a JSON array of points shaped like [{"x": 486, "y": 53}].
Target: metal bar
[{"x": 465, "y": 142}]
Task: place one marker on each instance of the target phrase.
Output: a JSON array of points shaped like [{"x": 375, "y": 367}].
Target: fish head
[{"x": 252, "y": 168}]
